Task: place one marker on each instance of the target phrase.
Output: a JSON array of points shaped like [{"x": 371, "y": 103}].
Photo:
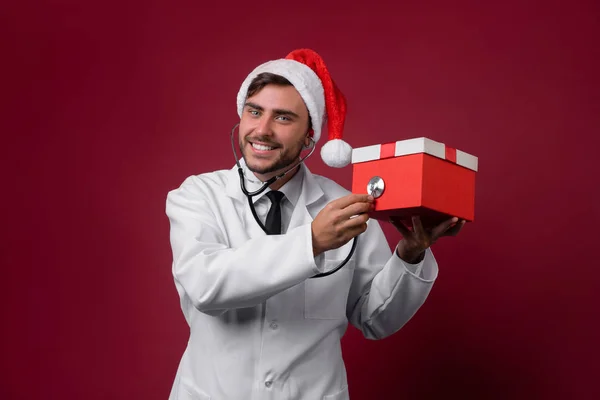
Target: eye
[
  {"x": 284, "y": 118},
  {"x": 253, "y": 112}
]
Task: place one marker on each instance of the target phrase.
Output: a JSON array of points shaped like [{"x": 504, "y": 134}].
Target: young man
[{"x": 261, "y": 327}]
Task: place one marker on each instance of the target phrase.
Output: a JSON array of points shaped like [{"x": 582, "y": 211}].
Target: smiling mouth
[{"x": 261, "y": 147}]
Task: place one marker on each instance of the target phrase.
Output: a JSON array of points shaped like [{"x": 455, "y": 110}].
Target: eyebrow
[{"x": 279, "y": 111}]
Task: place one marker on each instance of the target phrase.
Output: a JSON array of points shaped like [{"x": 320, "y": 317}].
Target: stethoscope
[{"x": 268, "y": 183}]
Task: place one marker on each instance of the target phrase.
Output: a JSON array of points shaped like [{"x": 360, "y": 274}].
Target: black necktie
[{"x": 273, "y": 223}]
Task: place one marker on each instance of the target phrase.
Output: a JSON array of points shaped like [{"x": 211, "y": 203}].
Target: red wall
[{"x": 108, "y": 105}]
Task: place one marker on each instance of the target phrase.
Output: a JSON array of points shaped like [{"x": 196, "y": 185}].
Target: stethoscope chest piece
[{"x": 376, "y": 186}]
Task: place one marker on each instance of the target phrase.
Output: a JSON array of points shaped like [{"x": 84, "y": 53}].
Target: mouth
[{"x": 262, "y": 148}]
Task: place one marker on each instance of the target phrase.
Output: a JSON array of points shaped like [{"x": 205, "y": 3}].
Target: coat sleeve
[
  {"x": 386, "y": 292},
  {"x": 216, "y": 277}
]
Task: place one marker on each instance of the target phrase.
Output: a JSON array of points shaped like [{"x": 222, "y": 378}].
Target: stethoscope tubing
[{"x": 268, "y": 183}]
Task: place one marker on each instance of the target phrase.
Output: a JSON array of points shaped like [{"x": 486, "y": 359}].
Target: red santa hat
[{"x": 306, "y": 70}]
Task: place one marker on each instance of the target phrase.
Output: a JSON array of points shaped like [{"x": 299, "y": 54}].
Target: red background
[{"x": 108, "y": 105}]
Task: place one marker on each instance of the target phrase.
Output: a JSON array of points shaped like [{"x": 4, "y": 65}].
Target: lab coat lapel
[
  {"x": 232, "y": 187},
  {"x": 309, "y": 195},
  {"x": 234, "y": 191}
]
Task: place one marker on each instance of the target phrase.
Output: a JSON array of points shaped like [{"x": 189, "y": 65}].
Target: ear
[{"x": 309, "y": 134}]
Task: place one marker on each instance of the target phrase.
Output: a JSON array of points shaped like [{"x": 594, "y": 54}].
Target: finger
[
  {"x": 454, "y": 230},
  {"x": 443, "y": 227},
  {"x": 355, "y": 209},
  {"x": 418, "y": 225},
  {"x": 400, "y": 226},
  {"x": 348, "y": 232},
  {"x": 354, "y": 231},
  {"x": 345, "y": 201},
  {"x": 353, "y": 222}
]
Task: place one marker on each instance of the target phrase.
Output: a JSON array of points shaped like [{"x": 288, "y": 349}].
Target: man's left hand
[{"x": 414, "y": 242}]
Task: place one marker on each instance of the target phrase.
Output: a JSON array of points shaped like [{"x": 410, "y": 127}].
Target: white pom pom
[{"x": 336, "y": 153}]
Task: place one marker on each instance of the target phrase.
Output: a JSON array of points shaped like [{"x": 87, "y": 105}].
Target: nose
[{"x": 263, "y": 126}]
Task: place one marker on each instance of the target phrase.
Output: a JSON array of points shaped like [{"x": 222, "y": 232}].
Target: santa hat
[{"x": 306, "y": 70}]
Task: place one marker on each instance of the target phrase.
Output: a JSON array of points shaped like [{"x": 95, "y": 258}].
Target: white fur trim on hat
[{"x": 304, "y": 79}]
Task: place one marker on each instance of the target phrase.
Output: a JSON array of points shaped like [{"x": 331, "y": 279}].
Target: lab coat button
[
  {"x": 268, "y": 384},
  {"x": 274, "y": 325}
]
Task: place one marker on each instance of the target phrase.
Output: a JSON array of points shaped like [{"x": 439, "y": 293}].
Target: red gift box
[{"x": 416, "y": 177}]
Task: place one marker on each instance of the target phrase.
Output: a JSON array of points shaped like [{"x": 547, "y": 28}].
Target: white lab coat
[{"x": 259, "y": 327}]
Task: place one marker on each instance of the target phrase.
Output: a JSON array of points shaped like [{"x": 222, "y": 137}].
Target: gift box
[{"x": 416, "y": 177}]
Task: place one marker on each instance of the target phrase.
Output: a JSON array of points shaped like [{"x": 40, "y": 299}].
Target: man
[{"x": 261, "y": 327}]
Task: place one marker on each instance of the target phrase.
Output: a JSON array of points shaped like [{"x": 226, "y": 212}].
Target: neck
[{"x": 279, "y": 182}]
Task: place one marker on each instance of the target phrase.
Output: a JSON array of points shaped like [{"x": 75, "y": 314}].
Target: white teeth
[{"x": 261, "y": 147}]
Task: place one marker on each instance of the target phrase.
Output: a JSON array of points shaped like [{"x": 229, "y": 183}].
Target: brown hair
[{"x": 264, "y": 79}]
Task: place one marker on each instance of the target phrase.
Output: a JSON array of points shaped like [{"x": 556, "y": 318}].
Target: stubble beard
[{"x": 285, "y": 159}]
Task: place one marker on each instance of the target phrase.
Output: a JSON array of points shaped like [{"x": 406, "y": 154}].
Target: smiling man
[
  {"x": 262, "y": 325},
  {"x": 262, "y": 115}
]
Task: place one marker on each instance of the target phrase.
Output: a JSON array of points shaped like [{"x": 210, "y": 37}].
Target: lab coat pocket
[
  {"x": 326, "y": 297},
  {"x": 187, "y": 391}
]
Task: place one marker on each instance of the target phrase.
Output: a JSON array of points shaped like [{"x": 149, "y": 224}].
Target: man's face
[{"x": 273, "y": 129}]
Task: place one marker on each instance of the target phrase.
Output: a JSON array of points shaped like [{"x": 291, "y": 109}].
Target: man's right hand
[{"x": 340, "y": 221}]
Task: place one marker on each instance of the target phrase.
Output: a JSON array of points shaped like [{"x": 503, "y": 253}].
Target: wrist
[
  {"x": 410, "y": 256},
  {"x": 316, "y": 250}
]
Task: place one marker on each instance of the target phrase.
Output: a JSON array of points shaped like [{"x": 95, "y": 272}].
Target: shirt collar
[
  {"x": 303, "y": 184},
  {"x": 292, "y": 188}
]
